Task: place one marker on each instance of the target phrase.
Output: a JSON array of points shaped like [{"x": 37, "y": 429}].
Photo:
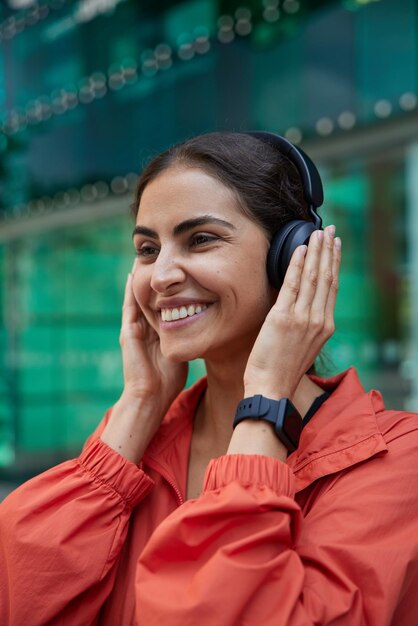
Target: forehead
[{"x": 180, "y": 193}]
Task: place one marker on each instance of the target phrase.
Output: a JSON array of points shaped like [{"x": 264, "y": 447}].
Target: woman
[{"x": 170, "y": 516}]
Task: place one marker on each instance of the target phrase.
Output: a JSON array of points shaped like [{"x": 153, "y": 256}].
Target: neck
[{"x": 225, "y": 389}]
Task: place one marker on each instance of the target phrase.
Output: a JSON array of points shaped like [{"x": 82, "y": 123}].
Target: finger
[
  {"x": 130, "y": 308},
  {"x": 325, "y": 276},
  {"x": 291, "y": 284},
  {"x": 310, "y": 273},
  {"x": 330, "y": 306}
]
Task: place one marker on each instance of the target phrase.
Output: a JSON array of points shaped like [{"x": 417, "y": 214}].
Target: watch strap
[
  {"x": 315, "y": 406},
  {"x": 280, "y": 413}
]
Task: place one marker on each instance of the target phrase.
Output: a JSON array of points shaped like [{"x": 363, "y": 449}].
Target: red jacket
[{"x": 330, "y": 537}]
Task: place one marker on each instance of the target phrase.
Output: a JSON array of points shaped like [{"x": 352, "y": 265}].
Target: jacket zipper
[{"x": 157, "y": 467}]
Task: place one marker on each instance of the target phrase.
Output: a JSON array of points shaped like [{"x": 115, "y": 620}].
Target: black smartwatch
[{"x": 281, "y": 413}]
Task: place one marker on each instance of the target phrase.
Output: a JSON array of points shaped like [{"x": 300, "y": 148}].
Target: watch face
[
  {"x": 292, "y": 427},
  {"x": 280, "y": 413}
]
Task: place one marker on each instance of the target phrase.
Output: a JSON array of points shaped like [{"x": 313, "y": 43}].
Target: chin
[{"x": 180, "y": 354}]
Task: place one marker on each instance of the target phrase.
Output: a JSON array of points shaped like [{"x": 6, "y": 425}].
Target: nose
[{"x": 167, "y": 271}]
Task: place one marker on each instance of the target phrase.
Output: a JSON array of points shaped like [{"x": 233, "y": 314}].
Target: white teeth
[{"x": 169, "y": 315}]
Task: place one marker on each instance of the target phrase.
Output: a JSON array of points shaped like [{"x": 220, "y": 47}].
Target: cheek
[{"x": 141, "y": 290}]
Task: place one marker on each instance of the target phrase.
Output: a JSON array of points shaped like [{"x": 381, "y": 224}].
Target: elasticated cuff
[
  {"x": 250, "y": 469},
  {"x": 113, "y": 470}
]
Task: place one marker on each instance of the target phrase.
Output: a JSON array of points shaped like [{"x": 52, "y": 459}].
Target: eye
[
  {"x": 200, "y": 239},
  {"x": 146, "y": 250}
]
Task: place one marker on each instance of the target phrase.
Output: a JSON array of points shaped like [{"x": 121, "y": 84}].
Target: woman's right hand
[
  {"x": 147, "y": 373},
  {"x": 151, "y": 383}
]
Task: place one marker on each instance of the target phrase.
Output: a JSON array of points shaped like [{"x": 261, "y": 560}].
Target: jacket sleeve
[
  {"x": 60, "y": 537},
  {"x": 243, "y": 553}
]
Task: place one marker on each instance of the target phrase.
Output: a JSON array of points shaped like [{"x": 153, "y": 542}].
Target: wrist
[
  {"x": 275, "y": 393},
  {"x": 132, "y": 424},
  {"x": 255, "y": 437}
]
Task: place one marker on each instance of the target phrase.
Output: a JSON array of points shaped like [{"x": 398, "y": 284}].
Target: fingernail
[
  {"x": 330, "y": 230},
  {"x": 302, "y": 251},
  {"x": 320, "y": 235},
  {"x": 337, "y": 243}
]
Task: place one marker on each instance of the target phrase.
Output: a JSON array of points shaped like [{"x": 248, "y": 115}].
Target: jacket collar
[{"x": 343, "y": 432}]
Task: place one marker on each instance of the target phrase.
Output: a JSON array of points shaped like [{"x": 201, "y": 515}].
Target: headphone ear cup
[{"x": 282, "y": 247}]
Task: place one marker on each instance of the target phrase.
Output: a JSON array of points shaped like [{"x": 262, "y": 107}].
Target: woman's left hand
[{"x": 300, "y": 321}]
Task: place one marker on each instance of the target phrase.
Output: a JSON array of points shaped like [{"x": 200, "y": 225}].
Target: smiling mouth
[{"x": 180, "y": 313}]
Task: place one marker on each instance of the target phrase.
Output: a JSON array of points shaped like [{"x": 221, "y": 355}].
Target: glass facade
[{"x": 89, "y": 90}]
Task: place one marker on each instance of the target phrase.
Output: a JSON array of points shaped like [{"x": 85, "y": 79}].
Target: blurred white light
[
  {"x": 97, "y": 79},
  {"x": 185, "y": 51},
  {"x": 86, "y": 95},
  {"x": 293, "y": 134},
  {"x": 118, "y": 185},
  {"x": 102, "y": 189},
  {"x": 129, "y": 70},
  {"x": 131, "y": 180},
  {"x": 291, "y": 6},
  {"x": 382, "y": 108},
  {"x": 89, "y": 9},
  {"x": 324, "y": 126},
  {"x": 20, "y": 4},
  {"x": 202, "y": 44},
  {"x": 162, "y": 52},
  {"x": 88, "y": 193},
  {"x": 271, "y": 14},
  {"x": 226, "y": 21},
  {"x": 100, "y": 91},
  {"x": 408, "y": 101},
  {"x": 72, "y": 99},
  {"x": 59, "y": 28},
  {"x": 243, "y": 27},
  {"x": 149, "y": 63},
  {"x": 226, "y": 36},
  {"x": 242, "y": 13},
  {"x": 59, "y": 106},
  {"x": 116, "y": 80},
  {"x": 391, "y": 351},
  {"x": 346, "y": 120}
]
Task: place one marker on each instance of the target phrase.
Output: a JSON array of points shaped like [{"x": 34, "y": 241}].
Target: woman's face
[{"x": 200, "y": 278}]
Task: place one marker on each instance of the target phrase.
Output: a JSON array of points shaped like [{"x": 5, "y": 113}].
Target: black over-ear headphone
[{"x": 296, "y": 232}]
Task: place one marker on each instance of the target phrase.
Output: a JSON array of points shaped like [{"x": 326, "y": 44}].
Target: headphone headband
[
  {"x": 311, "y": 180},
  {"x": 296, "y": 232}
]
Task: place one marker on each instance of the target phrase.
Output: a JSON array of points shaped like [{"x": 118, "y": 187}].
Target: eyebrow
[{"x": 184, "y": 226}]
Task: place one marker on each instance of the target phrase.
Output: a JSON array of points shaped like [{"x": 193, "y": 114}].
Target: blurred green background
[{"x": 90, "y": 89}]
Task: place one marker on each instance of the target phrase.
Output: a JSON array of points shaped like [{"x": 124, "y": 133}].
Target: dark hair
[{"x": 267, "y": 185}]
